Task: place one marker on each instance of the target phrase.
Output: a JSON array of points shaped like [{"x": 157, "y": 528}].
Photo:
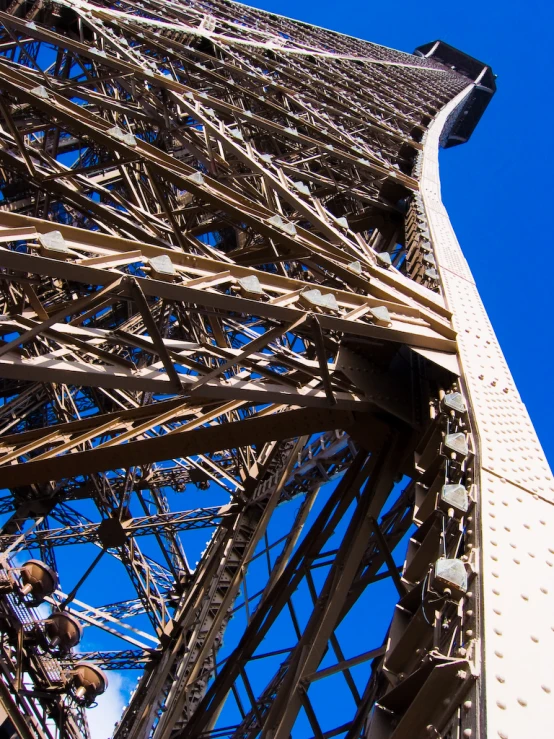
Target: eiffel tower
[{"x": 259, "y": 446}]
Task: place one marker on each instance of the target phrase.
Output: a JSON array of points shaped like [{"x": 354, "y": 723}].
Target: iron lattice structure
[{"x": 232, "y": 303}]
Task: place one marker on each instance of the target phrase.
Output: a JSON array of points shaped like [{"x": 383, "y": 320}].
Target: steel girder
[{"x": 218, "y": 281}]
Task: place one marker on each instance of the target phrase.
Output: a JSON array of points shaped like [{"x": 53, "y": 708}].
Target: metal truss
[{"x": 224, "y": 314}]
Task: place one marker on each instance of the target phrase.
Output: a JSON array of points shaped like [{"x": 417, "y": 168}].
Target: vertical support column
[{"x": 515, "y": 511}]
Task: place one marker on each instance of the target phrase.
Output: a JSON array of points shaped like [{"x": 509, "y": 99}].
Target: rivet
[
  {"x": 501, "y": 705},
  {"x": 522, "y": 702},
  {"x": 498, "y": 632},
  {"x": 500, "y": 678},
  {"x": 467, "y": 732},
  {"x": 546, "y": 688},
  {"x": 502, "y": 735},
  {"x": 524, "y": 596},
  {"x": 534, "y": 638},
  {"x": 468, "y": 704},
  {"x": 500, "y": 655},
  {"x": 544, "y": 590}
]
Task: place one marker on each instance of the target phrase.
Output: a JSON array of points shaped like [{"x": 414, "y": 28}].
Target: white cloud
[{"x": 103, "y": 717}]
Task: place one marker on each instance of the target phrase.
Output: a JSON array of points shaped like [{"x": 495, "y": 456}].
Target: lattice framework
[{"x": 220, "y": 275}]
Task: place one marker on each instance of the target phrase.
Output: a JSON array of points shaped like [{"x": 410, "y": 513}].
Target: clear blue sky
[{"x": 498, "y": 187}]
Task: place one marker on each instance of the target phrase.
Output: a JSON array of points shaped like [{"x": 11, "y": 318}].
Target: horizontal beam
[
  {"x": 253, "y": 431},
  {"x": 127, "y": 659},
  {"x": 384, "y": 285},
  {"x": 410, "y": 334},
  {"x": 201, "y": 518}
]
